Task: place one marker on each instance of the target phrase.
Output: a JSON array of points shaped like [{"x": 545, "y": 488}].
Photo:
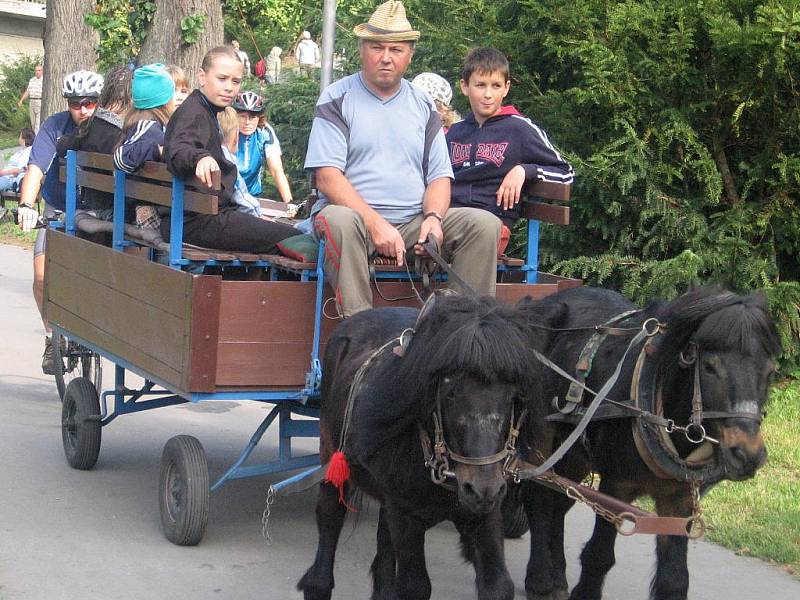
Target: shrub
[{"x": 14, "y": 77}]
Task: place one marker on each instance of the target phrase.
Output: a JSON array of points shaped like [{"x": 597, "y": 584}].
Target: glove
[{"x": 27, "y": 217}]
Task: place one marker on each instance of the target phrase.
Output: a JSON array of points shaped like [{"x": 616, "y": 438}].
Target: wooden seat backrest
[
  {"x": 152, "y": 183},
  {"x": 532, "y": 206},
  {"x": 534, "y": 209}
]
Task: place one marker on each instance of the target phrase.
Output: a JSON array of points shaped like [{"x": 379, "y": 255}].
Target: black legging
[{"x": 232, "y": 230}]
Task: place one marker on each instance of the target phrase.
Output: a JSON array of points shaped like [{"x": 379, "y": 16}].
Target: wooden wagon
[{"x": 194, "y": 337}]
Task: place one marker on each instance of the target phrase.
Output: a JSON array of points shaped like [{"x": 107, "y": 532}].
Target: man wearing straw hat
[{"x": 383, "y": 171}]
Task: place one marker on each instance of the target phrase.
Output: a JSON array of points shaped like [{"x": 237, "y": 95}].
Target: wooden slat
[
  {"x": 95, "y": 160},
  {"x": 549, "y": 213},
  {"x": 549, "y": 191},
  {"x": 155, "y": 170},
  {"x": 266, "y": 329},
  {"x": 200, "y": 374},
  {"x": 154, "y": 284},
  {"x": 113, "y": 345},
  {"x": 149, "y": 192},
  {"x": 159, "y": 172},
  {"x": 158, "y": 194},
  {"x": 149, "y": 329}
]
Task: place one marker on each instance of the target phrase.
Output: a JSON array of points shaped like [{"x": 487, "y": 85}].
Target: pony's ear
[{"x": 548, "y": 314}]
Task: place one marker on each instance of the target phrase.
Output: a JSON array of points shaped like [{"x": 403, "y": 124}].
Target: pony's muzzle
[
  {"x": 743, "y": 450},
  {"x": 480, "y": 488}
]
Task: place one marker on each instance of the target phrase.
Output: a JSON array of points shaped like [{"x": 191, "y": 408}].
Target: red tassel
[{"x": 338, "y": 473}]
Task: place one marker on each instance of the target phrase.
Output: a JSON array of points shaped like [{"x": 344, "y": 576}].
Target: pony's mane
[
  {"x": 457, "y": 335},
  {"x": 718, "y": 319}
]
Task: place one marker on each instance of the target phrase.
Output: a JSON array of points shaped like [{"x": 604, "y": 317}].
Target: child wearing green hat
[{"x": 152, "y": 91}]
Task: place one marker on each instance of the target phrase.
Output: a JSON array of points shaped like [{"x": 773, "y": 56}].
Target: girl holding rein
[{"x": 193, "y": 147}]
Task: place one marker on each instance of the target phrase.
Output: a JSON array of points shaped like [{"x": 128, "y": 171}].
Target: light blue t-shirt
[
  {"x": 389, "y": 150},
  {"x": 253, "y": 150}
]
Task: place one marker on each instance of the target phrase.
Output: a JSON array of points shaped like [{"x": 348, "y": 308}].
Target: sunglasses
[{"x": 78, "y": 104}]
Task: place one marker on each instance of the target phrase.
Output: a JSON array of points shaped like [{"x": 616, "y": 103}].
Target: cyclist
[
  {"x": 257, "y": 144},
  {"x": 81, "y": 90}
]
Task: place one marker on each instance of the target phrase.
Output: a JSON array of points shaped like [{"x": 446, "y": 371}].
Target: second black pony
[
  {"x": 444, "y": 403},
  {"x": 708, "y": 364}
]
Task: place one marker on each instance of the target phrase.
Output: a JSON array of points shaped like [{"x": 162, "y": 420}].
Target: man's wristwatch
[{"x": 433, "y": 214}]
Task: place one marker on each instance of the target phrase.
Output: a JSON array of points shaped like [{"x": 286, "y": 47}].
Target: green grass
[
  {"x": 10, "y": 233},
  {"x": 9, "y": 139},
  {"x": 761, "y": 517}
]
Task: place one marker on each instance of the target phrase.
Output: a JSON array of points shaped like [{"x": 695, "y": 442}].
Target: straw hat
[{"x": 387, "y": 24}]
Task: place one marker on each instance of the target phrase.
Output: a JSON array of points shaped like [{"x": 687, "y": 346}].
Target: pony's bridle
[
  {"x": 438, "y": 454},
  {"x": 695, "y": 431}
]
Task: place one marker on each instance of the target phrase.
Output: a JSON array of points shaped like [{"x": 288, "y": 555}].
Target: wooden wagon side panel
[
  {"x": 266, "y": 330},
  {"x": 132, "y": 308}
]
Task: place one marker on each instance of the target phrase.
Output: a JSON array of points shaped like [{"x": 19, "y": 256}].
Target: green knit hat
[{"x": 152, "y": 86}]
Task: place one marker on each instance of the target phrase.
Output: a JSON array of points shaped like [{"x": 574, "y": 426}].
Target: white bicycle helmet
[
  {"x": 249, "y": 101},
  {"x": 436, "y": 86},
  {"x": 82, "y": 84}
]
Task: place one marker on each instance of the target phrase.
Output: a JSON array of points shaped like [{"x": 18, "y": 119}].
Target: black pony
[
  {"x": 466, "y": 365},
  {"x": 724, "y": 342}
]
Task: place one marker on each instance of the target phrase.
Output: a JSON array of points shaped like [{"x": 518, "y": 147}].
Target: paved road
[{"x": 69, "y": 535}]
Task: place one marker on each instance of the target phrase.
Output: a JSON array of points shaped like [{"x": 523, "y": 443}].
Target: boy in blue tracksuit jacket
[{"x": 495, "y": 150}]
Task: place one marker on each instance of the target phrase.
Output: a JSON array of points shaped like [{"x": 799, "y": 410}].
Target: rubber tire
[
  {"x": 80, "y": 424},
  {"x": 86, "y": 366},
  {"x": 515, "y": 521},
  {"x": 183, "y": 491}
]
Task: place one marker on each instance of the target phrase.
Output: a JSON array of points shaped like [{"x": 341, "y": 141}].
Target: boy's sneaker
[{"x": 48, "y": 361}]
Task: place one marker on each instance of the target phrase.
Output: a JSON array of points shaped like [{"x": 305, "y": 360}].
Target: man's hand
[
  {"x": 206, "y": 166},
  {"x": 509, "y": 191},
  {"x": 27, "y": 217},
  {"x": 386, "y": 238},
  {"x": 430, "y": 226}
]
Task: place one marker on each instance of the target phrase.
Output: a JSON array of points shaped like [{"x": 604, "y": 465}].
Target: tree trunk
[
  {"x": 163, "y": 43},
  {"x": 69, "y": 45}
]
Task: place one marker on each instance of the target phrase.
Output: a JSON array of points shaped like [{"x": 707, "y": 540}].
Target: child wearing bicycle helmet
[
  {"x": 193, "y": 147},
  {"x": 81, "y": 90},
  {"x": 257, "y": 145},
  {"x": 439, "y": 89},
  {"x": 102, "y": 132}
]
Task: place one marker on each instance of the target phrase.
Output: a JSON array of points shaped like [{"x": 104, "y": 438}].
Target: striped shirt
[{"x": 35, "y": 88}]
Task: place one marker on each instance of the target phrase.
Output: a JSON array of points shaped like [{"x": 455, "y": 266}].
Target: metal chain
[
  {"x": 699, "y": 526},
  {"x": 265, "y": 515},
  {"x": 574, "y": 494}
]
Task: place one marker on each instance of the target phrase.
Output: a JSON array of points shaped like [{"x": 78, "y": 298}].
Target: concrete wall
[{"x": 21, "y": 29}]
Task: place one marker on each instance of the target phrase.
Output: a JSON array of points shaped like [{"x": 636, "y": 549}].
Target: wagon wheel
[
  {"x": 515, "y": 521},
  {"x": 80, "y": 424},
  {"x": 75, "y": 361},
  {"x": 183, "y": 490}
]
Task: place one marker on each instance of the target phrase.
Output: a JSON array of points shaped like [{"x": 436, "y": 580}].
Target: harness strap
[
  {"x": 626, "y": 518},
  {"x": 583, "y": 368},
  {"x": 357, "y": 378},
  {"x": 590, "y": 410}
]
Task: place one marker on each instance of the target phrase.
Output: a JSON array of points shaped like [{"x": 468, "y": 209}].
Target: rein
[{"x": 649, "y": 328}]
